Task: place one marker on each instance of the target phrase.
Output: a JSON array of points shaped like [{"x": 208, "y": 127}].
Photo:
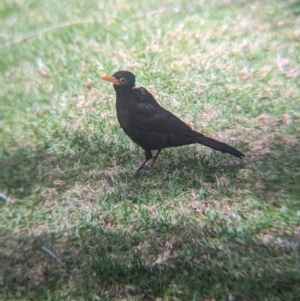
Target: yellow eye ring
[{"x": 122, "y": 80}]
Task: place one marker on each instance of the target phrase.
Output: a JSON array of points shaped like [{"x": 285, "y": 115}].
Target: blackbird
[{"x": 151, "y": 126}]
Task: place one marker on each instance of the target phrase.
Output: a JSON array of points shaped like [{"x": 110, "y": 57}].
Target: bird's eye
[{"x": 122, "y": 80}]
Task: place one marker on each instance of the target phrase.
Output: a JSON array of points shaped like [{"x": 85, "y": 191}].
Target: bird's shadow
[
  {"x": 22, "y": 176},
  {"x": 30, "y": 173}
]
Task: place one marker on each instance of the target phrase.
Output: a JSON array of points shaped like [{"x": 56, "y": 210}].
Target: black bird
[{"x": 151, "y": 126}]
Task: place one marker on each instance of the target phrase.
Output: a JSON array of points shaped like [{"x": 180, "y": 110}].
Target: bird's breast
[{"x": 124, "y": 114}]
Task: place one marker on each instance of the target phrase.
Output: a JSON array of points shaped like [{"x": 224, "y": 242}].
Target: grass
[{"x": 201, "y": 225}]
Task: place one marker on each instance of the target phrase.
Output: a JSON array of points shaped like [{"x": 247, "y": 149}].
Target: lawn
[{"x": 200, "y": 225}]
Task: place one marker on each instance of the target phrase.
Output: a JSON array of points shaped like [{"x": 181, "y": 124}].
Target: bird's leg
[
  {"x": 148, "y": 156},
  {"x": 154, "y": 159}
]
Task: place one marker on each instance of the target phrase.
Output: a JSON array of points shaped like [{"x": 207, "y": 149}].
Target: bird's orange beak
[{"x": 110, "y": 78}]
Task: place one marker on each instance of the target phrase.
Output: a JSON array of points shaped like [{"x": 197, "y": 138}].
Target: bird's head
[{"x": 121, "y": 80}]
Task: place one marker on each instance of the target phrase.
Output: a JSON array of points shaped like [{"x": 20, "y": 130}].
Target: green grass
[{"x": 201, "y": 225}]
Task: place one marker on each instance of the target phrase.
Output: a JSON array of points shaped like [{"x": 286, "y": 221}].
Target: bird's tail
[{"x": 219, "y": 146}]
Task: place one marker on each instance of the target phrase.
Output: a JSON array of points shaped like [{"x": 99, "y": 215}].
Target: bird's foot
[
  {"x": 129, "y": 175},
  {"x": 147, "y": 167}
]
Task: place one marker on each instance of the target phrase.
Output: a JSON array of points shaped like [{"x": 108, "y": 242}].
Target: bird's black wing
[
  {"x": 163, "y": 129},
  {"x": 150, "y": 116}
]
